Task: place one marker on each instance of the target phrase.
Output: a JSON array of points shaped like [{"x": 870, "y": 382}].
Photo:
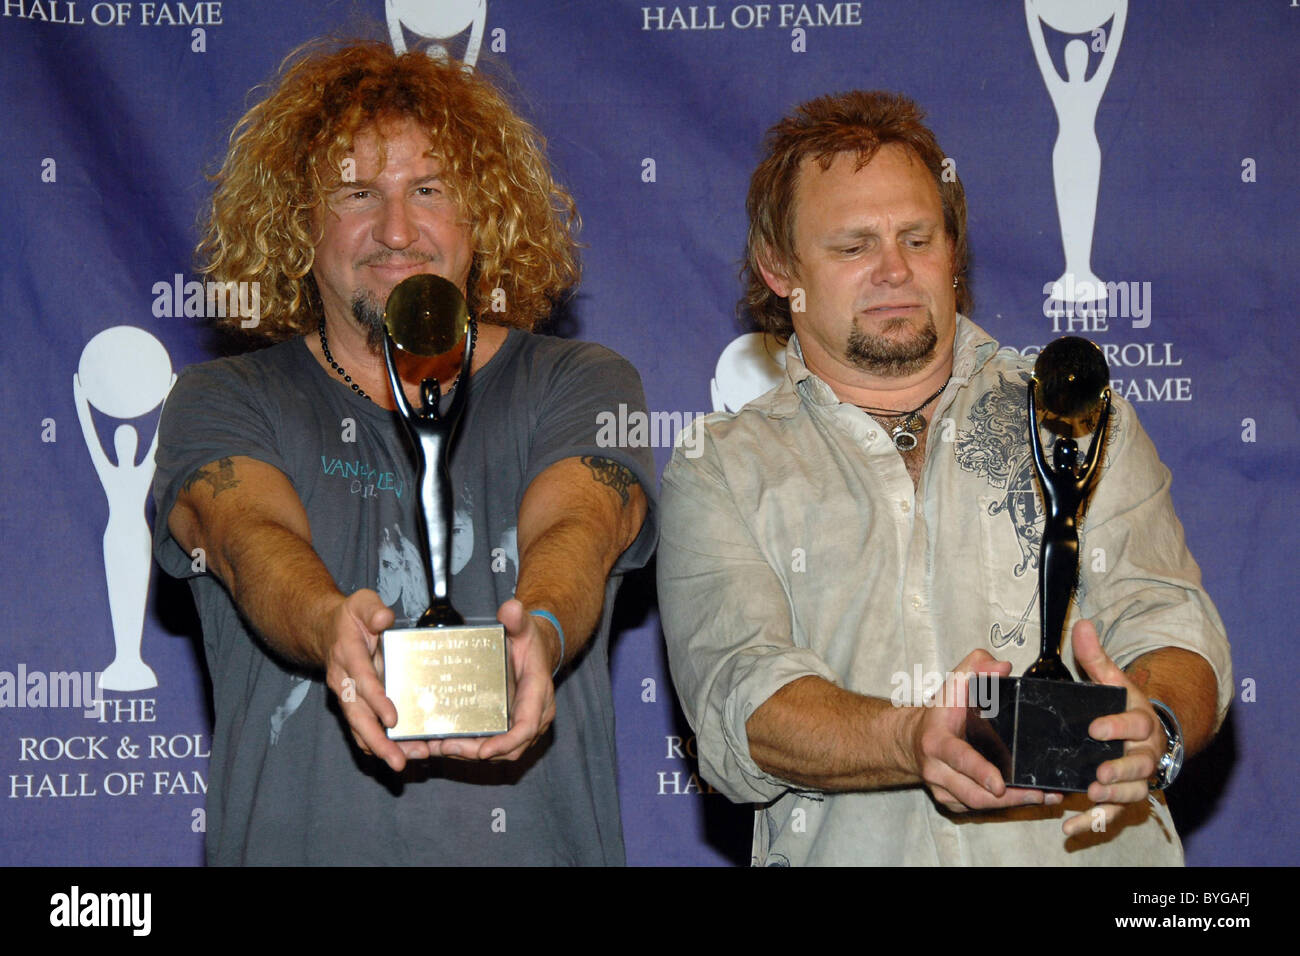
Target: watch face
[
  {"x": 1175, "y": 760},
  {"x": 1172, "y": 760}
]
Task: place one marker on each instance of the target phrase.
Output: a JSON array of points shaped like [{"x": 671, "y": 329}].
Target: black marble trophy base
[{"x": 1036, "y": 731}]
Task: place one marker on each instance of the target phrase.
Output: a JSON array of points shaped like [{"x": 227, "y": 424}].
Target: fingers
[
  {"x": 980, "y": 661},
  {"x": 1089, "y": 655},
  {"x": 414, "y": 749},
  {"x": 371, "y": 738},
  {"x": 961, "y": 793},
  {"x": 534, "y": 709},
  {"x": 354, "y": 676},
  {"x": 368, "y": 731},
  {"x": 356, "y": 661},
  {"x": 356, "y": 669},
  {"x": 533, "y": 695},
  {"x": 1124, "y": 780},
  {"x": 954, "y": 771},
  {"x": 371, "y": 613},
  {"x": 1132, "y": 725},
  {"x": 513, "y": 617}
]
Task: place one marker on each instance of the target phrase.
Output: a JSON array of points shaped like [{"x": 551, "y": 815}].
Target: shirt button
[
  {"x": 917, "y": 602},
  {"x": 904, "y": 507}
]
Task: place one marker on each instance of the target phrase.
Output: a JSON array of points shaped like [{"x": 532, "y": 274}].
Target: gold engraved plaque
[{"x": 447, "y": 681}]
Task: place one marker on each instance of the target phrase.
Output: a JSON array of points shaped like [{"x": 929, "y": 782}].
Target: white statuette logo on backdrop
[
  {"x": 125, "y": 373},
  {"x": 1076, "y": 158},
  {"x": 438, "y": 20},
  {"x": 752, "y": 364}
]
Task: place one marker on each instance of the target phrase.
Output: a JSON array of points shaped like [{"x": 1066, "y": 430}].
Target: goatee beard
[
  {"x": 370, "y": 316},
  {"x": 894, "y": 359}
]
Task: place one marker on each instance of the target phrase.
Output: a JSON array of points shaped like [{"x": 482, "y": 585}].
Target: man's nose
[
  {"x": 892, "y": 268},
  {"x": 395, "y": 228}
]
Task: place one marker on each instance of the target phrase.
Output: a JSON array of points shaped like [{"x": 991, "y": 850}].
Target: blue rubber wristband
[{"x": 558, "y": 630}]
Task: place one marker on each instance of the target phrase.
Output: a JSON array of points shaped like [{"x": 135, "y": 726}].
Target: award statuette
[
  {"x": 1037, "y": 735},
  {"x": 445, "y": 678}
]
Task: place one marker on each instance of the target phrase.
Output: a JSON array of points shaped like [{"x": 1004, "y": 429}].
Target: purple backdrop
[{"x": 654, "y": 116}]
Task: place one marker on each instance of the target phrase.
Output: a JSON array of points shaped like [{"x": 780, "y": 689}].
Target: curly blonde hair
[{"x": 286, "y": 155}]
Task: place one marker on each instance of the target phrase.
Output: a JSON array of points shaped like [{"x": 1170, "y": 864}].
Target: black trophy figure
[
  {"x": 431, "y": 432},
  {"x": 1036, "y": 733},
  {"x": 1065, "y": 485}
]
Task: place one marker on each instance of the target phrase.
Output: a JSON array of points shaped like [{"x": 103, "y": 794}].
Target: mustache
[{"x": 385, "y": 257}]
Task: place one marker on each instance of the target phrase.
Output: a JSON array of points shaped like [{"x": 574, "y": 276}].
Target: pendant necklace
[{"x": 907, "y": 424}]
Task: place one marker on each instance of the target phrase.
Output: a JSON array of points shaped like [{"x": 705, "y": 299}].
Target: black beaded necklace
[
  {"x": 324, "y": 347},
  {"x": 912, "y": 424}
]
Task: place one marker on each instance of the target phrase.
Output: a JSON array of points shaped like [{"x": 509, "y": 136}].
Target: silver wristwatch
[{"x": 1172, "y": 761}]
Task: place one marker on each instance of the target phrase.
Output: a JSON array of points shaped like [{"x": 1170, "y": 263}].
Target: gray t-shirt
[{"x": 287, "y": 783}]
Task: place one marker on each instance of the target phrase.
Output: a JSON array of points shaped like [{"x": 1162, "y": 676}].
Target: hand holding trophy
[{"x": 445, "y": 678}]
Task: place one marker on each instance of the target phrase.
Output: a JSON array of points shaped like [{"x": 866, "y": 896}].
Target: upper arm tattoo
[
  {"x": 219, "y": 474},
  {"x": 609, "y": 472}
]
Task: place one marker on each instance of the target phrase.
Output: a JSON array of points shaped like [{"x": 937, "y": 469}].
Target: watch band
[{"x": 1171, "y": 762}]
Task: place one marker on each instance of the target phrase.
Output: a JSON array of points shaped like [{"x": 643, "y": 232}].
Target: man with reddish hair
[
  {"x": 287, "y": 470},
  {"x": 873, "y": 518}
]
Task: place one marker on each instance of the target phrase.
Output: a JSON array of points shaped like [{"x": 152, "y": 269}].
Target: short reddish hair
[{"x": 857, "y": 122}]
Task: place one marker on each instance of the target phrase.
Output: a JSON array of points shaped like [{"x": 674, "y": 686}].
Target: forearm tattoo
[
  {"x": 611, "y": 473},
  {"x": 220, "y": 475}
]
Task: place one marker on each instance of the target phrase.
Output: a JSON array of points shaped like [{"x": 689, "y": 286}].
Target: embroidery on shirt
[{"x": 996, "y": 448}]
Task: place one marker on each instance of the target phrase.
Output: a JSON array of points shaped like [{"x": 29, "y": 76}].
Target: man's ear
[{"x": 776, "y": 275}]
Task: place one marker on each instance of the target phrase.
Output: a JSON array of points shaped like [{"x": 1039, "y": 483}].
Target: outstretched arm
[
  {"x": 768, "y": 711},
  {"x": 816, "y": 734},
  {"x": 254, "y": 532}
]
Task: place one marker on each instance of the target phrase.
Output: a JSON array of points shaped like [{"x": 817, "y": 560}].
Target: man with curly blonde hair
[{"x": 285, "y": 468}]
